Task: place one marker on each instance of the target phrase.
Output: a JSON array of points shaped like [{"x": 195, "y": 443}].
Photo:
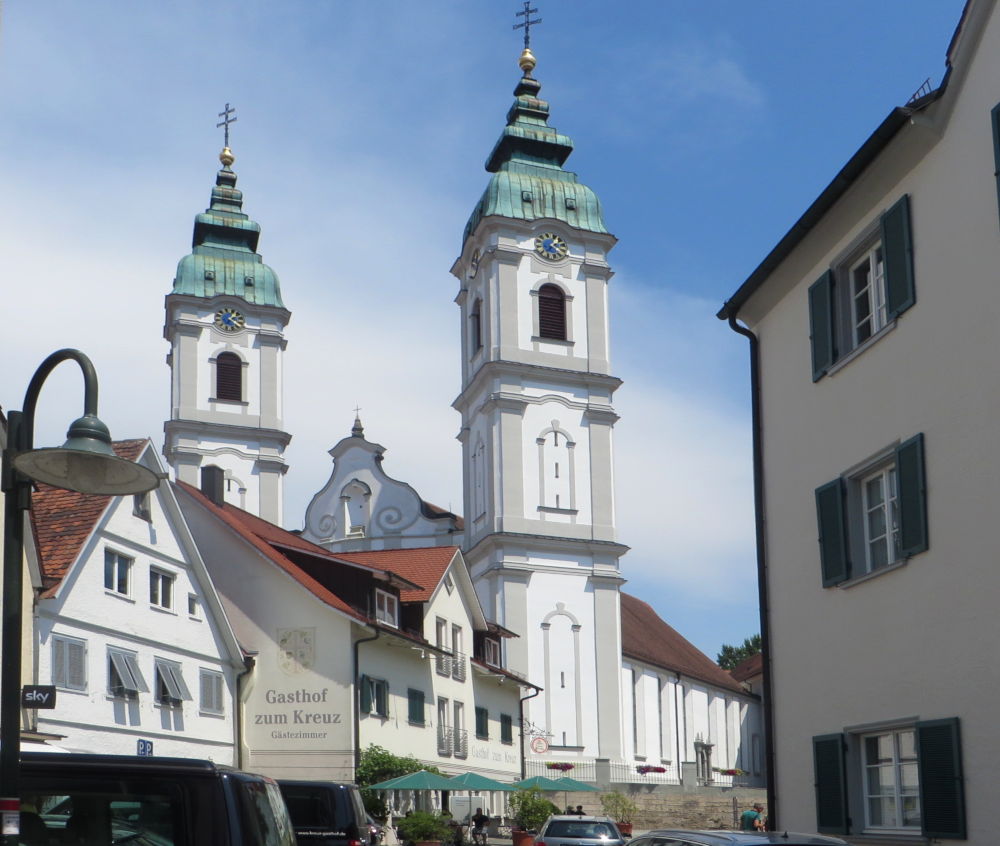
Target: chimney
[{"x": 213, "y": 480}]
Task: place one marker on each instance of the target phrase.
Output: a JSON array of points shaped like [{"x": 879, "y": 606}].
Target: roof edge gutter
[{"x": 762, "y": 592}]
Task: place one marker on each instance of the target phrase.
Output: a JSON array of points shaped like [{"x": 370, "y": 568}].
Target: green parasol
[
  {"x": 547, "y": 785},
  {"x": 421, "y": 780}
]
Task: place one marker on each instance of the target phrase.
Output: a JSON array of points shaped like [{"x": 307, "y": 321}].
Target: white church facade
[{"x": 538, "y": 534}]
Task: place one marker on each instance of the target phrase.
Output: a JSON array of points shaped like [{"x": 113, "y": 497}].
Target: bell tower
[
  {"x": 536, "y": 432},
  {"x": 225, "y": 323}
]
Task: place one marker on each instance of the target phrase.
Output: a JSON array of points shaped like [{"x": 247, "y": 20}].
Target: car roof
[
  {"x": 746, "y": 838},
  {"x": 123, "y": 762},
  {"x": 578, "y": 817}
]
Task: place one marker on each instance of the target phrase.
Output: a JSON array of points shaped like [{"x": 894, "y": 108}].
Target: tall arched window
[
  {"x": 551, "y": 312},
  {"x": 228, "y": 377},
  {"x": 476, "y": 327}
]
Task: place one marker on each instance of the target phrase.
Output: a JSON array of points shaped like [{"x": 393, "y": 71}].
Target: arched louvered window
[
  {"x": 476, "y": 327},
  {"x": 551, "y": 313},
  {"x": 228, "y": 377}
]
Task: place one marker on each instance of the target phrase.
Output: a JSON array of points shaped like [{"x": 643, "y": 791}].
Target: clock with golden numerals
[
  {"x": 550, "y": 246},
  {"x": 229, "y": 319}
]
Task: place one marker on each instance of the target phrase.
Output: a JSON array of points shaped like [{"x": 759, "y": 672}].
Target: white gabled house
[{"x": 128, "y": 627}]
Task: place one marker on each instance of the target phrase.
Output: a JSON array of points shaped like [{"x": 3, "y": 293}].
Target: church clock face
[
  {"x": 550, "y": 246},
  {"x": 229, "y": 320}
]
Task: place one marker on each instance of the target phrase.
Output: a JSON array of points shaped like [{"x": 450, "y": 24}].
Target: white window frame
[
  {"x": 386, "y": 608},
  {"x": 171, "y": 690},
  {"x": 121, "y": 565},
  {"x": 894, "y": 768},
  {"x": 124, "y": 666},
  {"x": 885, "y": 511},
  {"x": 491, "y": 652},
  {"x": 378, "y": 699},
  {"x": 161, "y": 588},
  {"x": 871, "y": 295},
  {"x": 62, "y": 663},
  {"x": 211, "y": 684}
]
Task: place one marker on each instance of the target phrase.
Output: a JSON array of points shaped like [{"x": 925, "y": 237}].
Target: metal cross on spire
[
  {"x": 527, "y": 23},
  {"x": 228, "y": 116}
]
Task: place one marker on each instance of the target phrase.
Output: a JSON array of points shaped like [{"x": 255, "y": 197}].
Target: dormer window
[
  {"x": 386, "y": 608},
  {"x": 491, "y": 652}
]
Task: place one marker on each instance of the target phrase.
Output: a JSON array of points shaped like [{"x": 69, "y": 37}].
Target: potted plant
[
  {"x": 530, "y": 810},
  {"x": 424, "y": 827},
  {"x": 621, "y": 809}
]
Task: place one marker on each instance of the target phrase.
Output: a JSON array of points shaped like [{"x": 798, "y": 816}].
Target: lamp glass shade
[{"x": 86, "y": 471}]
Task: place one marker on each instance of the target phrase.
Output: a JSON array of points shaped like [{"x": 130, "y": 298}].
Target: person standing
[{"x": 752, "y": 819}]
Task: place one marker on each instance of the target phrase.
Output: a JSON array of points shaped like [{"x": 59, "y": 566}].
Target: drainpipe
[
  {"x": 520, "y": 717},
  {"x": 762, "y": 594},
  {"x": 242, "y": 677},
  {"x": 355, "y": 706}
]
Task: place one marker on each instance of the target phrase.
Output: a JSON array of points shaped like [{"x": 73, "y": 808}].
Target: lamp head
[{"x": 86, "y": 463}]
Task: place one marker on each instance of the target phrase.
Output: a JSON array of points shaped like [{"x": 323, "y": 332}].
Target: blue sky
[{"x": 705, "y": 127}]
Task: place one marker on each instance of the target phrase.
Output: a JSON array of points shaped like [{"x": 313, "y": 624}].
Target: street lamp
[{"x": 85, "y": 463}]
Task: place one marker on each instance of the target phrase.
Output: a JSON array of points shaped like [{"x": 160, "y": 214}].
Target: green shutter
[
  {"x": 834, "y": 562},
  {"x": 415, "y": 700},
  {"x": 366, "y": 695},
  {"x": 821, "y": 325},
  {"x": 897, "y": 253},
  {"x": 912, "y": 496},
  {"x": 995, "y": 123},
  {"x": 506, "y": 728},
  {"x": 482, "y": 722},
  {"x": 942, "y": 795},
  {"x": 831, "y": 784}
]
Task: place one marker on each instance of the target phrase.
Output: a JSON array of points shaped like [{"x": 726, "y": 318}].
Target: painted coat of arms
[{"x": 296, "y": 650}]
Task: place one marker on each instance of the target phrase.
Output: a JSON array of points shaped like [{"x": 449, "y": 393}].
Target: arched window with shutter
[
  {"x": 551, "y": 312},
  {"x": 229, "y": 377}
]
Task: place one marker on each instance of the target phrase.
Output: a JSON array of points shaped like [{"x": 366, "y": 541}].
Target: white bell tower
[
  {"x": 225, "y": 322},
  {"x": 537, "y": 423}
]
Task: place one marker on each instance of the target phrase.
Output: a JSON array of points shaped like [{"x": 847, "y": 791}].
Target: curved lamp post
[{"x": 85, "y": 463}]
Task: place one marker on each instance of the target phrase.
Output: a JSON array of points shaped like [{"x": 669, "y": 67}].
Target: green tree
[
  {"x": 731, "y": 656},
  {"x": 378, "y": 764}
]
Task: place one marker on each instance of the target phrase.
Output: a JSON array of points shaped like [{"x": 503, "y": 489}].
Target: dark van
[
  {"x": 325, "y": 813},
  {"x": 102, "y": 799}
]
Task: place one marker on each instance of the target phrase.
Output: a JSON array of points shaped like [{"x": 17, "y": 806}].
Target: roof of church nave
[
  {"x": 528, "y": 181},
  {"x": 648, "y": 638},
  {"x": 223, "y": 260}
]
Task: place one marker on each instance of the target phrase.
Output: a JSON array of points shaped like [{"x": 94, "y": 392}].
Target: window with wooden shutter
[
  {"x": 831, "y": 784},
  {"x": 942, "y": 792},
  {"x": 482, "y": 723},
  {"x": 69, "y": 663},
  {"x": 912, "y": 496},
  {"x": 506, "y": 728},
  {"x": 551, "y": 312},
  {"x": 415, "y": 707},
  {"x": 821, "y": 329},
  {"x": 229, "y": 377},
  {"x": 211, "y": 692},
  {"x": 897, "y": 247}
]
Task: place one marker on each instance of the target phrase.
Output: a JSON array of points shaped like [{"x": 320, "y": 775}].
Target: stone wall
[{"x": 670, "y": 806}]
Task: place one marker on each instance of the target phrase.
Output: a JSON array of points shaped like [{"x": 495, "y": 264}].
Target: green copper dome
[
  {"x": 528, "y": 181},
  {"x": 224, "y": 259}
]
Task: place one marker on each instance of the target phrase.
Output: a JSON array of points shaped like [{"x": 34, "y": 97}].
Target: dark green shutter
[
  {"x": 995, "y": 123},
  {"x": 416, "y": 706},
  {"x": 912, "y": 496},
  {"x": 366, "y": 695},
  {"x": 482, "y": 722},
  {"x": 942, "y": 795},
  {"x": 834, "y": 562},
  {"x": 831, "y": 784},
  {"x": 821, "y": 325},
  {"x": 506, "y": 728},
  {"x": 897, "y": 253}
]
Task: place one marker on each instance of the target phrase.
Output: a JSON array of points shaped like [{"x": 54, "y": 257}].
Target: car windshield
[
  {"x": 579, "y": 828},
  {"x": 95, "y": 817}
]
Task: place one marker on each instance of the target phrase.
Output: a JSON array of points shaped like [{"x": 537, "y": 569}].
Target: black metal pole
[{"x": 17, "y": 491}]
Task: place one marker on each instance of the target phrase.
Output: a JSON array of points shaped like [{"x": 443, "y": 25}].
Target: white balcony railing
[
  {"x": 444, "y": 740},
  {"x": 460, "y": 743}
]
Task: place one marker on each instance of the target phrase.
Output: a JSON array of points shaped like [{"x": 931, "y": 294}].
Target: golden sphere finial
[
  {"x": 527, "y": 61},
  {"x": 226, "y": 156}
]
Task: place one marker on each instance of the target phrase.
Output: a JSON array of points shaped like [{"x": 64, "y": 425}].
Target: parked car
[
  {"x": 326, "y": 813},
  {"x": 374, "y": 830},
  {"x": 682, "y": 837},
  {"x": 82, "y": 798},
  {"x": 574, "y": 830}
]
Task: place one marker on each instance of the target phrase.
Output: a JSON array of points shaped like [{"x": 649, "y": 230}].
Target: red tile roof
[
  {"x": 424, "y": 566},
  {"x": 748, "y": 668},
  {"x": 648, "y": 638},
  {"x": 260, "y": 534},
  {"x": 62, "y": 521}
]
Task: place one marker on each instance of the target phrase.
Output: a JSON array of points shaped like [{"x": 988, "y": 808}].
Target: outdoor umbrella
[
  {"x": 475, "y": 781},
  {"x": 421, "y": 780},
  {"x": 541, "y": 782},
  {"x": 567, "y": 783}
]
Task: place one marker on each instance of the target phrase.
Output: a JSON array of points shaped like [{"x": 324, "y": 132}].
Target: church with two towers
[{"x": 617, "y": 692}]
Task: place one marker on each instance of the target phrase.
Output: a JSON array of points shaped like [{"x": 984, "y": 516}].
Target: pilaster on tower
[
  {"x": 225, "y": 323},
  {"x": 537, "y": 421}
]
